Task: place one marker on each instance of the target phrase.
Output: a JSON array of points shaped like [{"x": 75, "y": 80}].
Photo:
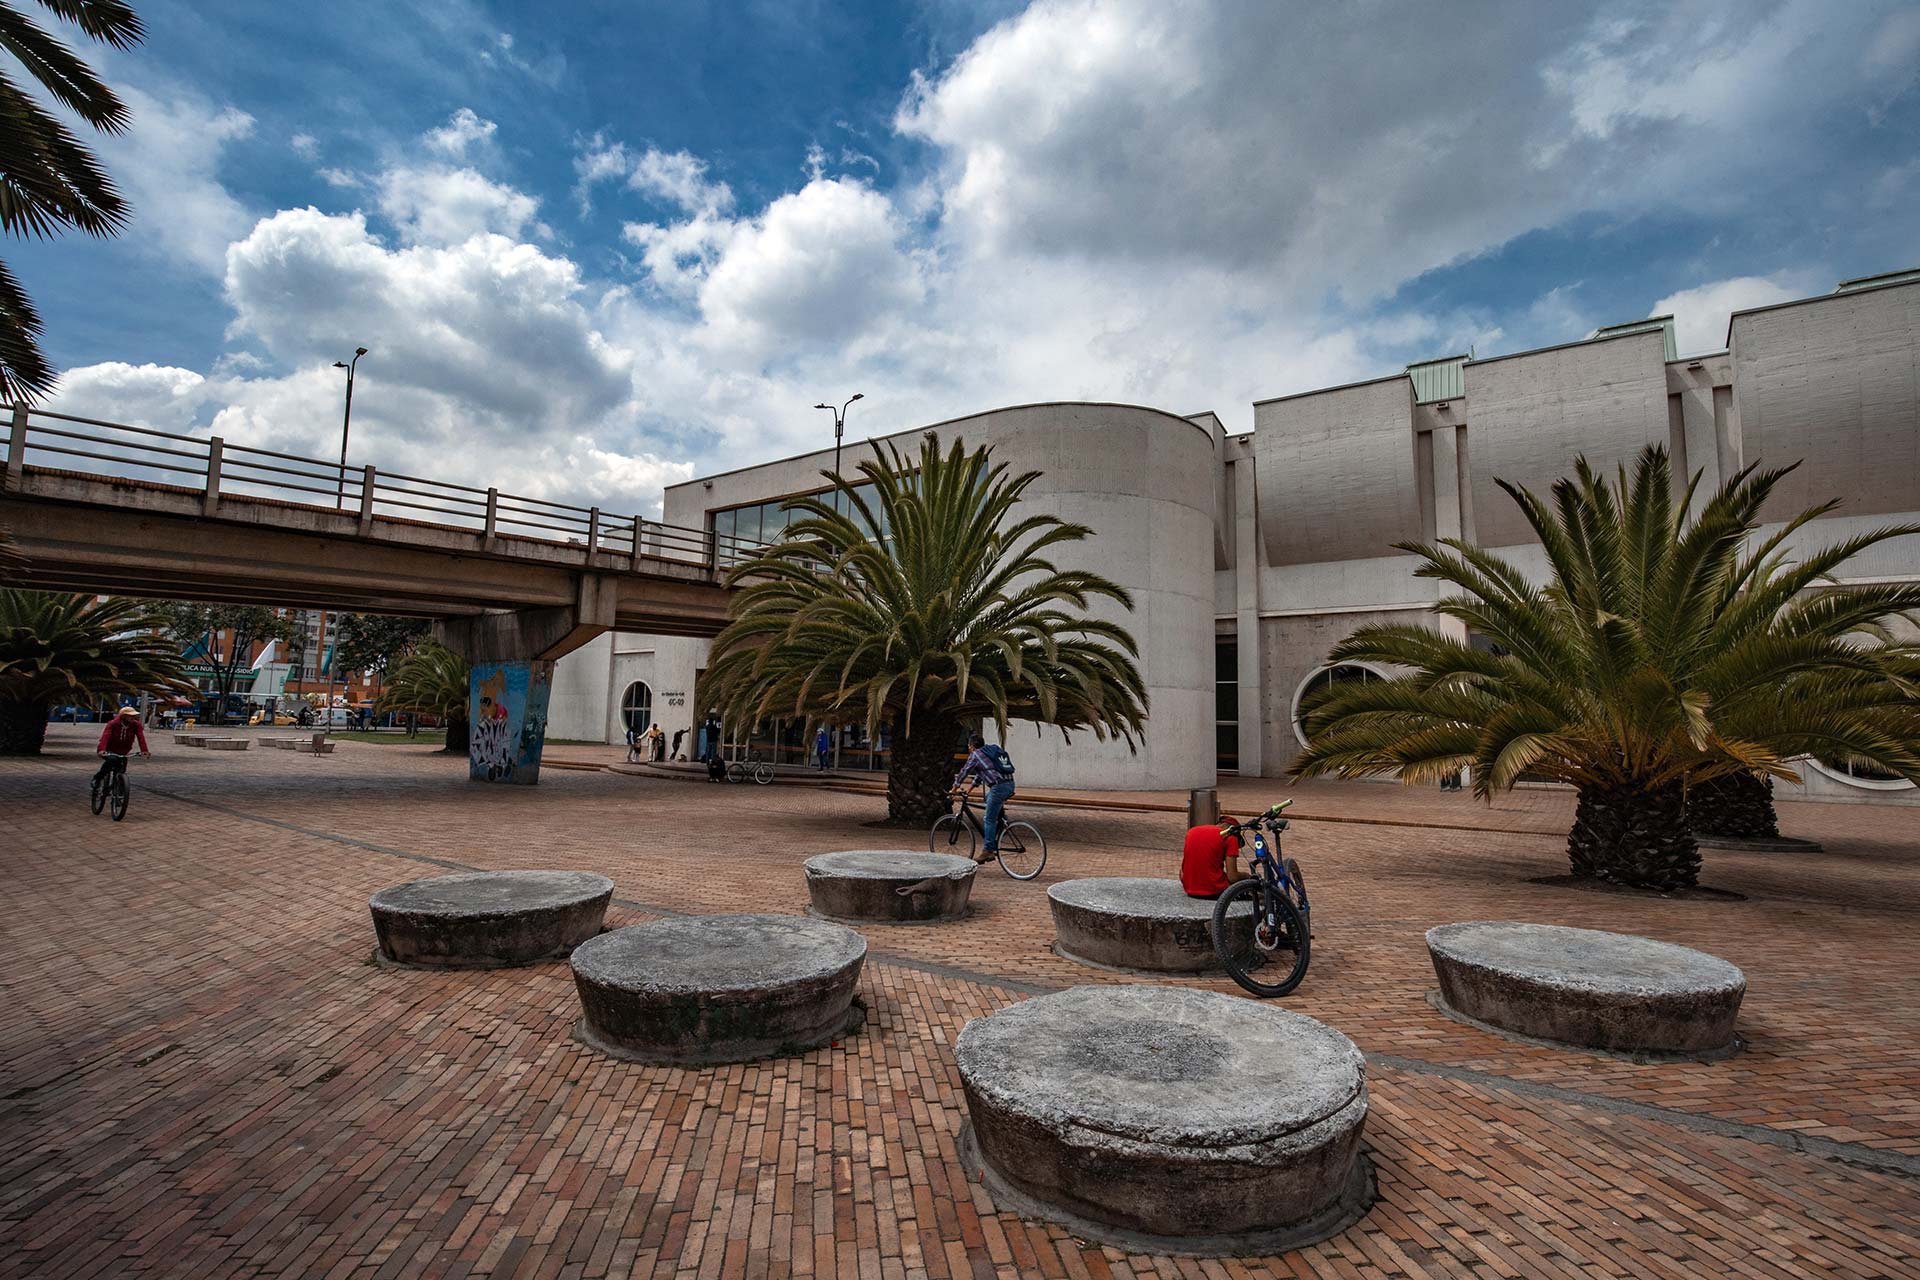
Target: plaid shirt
[{"x": 979, "y": 766}]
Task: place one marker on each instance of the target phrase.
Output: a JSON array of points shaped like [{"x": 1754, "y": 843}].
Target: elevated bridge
[{"x": 122, "y": 510}]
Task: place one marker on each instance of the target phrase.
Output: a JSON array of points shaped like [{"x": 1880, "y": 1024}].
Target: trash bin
[{"x": 1203, "y": 807}]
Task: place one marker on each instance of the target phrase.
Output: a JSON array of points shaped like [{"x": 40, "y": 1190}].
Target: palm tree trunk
[
  {"x": 921, "y": 772},
  {"x": 1634, "y": 836},
  {"x": 1739, "y": 805},
  {"x": 23, "y": 727}
]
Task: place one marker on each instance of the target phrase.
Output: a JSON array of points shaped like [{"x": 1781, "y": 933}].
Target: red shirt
[
  {"x": 1203, "y": 863},
  {"x": 120, "y": 735}
]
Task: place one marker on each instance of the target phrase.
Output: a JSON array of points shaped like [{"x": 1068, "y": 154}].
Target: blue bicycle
[{"x": 1276, "y": 895}]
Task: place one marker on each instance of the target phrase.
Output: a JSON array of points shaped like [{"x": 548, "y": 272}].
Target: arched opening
[
  {"x": 636, "y": 707},
  {"x": 1326, "y": 678}
]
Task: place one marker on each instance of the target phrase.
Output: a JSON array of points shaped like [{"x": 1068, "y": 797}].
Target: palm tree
[
  {"x": 1663, "y": 651},
  {"x": 432, "y": 680},
  {"x": 49, "y": 182},
  {"x": 932, "y": 606},
  {"x": 56, "y": 647}
]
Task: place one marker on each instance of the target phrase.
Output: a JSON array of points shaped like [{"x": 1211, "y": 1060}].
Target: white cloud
[
  {"x": 682, "y": 178},
  {"x": 462, "y": 130},
  {"x": 1700, "y": 313},
  {"x": 160, "y": 397},
  {"x": 304, "y": 145},
  {"x": 168, "y": 165},
  {"x": 438, "y": 205}
]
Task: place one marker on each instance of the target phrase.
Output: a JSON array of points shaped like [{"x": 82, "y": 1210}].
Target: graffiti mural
[{"x": 507, "y": 710}]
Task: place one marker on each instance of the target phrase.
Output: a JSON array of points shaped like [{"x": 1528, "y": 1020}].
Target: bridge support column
[{"x": 507, "y": 720}]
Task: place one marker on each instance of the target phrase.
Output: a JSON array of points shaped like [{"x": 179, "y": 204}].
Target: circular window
[
  {"x": 1326, "y": 678},
  {"x": 1857, "y": 774},
  {"x": 636, "y": 707}
]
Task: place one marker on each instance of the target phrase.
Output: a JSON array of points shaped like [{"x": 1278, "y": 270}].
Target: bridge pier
[{"x": 512, "y": 654}]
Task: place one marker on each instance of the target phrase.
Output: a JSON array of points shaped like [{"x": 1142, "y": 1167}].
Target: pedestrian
[
  {"x": 993, "y": 767},
  {"x": 822, "y": 748},
  {"x": 633, "y": 743},
  {"x": 657, "y": 742},
  {"x": 679, "y": 735}
]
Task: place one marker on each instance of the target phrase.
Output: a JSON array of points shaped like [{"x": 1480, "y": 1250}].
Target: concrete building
[{"x": 1251, "y": 555}]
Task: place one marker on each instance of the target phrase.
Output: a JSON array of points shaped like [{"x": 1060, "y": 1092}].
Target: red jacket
[{"x": 120, "y": 735}]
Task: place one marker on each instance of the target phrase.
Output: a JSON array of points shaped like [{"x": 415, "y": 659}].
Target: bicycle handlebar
[{"x": 1271, "y": 819}]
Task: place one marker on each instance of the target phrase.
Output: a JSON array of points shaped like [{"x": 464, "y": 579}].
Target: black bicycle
[
  {"x": 751, "y": 767},
  {"x": 1275, "y": 895},
  {"x": 110, "y": 792},
  {"x": 1022, "y": 852}
]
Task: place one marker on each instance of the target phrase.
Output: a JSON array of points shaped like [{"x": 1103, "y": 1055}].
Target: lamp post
[
  {"x": 346, "y": 424},
  {"x": 839, "y": 426}
]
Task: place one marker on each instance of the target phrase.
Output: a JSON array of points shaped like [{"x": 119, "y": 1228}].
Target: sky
[{"x": 595, "y": 248}]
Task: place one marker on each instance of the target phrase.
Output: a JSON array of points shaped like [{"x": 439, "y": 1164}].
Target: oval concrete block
[
  {"x": 488, "y": 919},
  {"x": 890, "y": 886},
  {"x": 726, "y": 988},
  {"x": 1129, "y": 922},
  {"x": 1169, "y": 1113},
  {"x": 1588, "y": 988}
]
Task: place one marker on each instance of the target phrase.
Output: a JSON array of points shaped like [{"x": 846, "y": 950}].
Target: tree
[
  {"x": 56, "y": 647},
  {"x": 373, "y": 642},
  {"x": 1662, "y": 651},
  {"x": 431, "y": 680},
  {"x": 933, "y": 606},
  {"x": 198, "y": 626},
  {"x": 49, "y": 182}
]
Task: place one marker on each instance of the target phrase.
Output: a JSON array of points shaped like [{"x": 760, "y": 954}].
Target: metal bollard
[{"x": 1203, "y": 807}]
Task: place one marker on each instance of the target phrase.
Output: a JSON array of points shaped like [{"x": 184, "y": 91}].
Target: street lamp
[
  {"x": 839, "y": 425},
  {"x": 346, "y": 423}
]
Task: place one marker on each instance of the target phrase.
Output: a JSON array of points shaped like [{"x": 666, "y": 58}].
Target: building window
[
  {"x": 1327, "y": 678},
  {"x": 1226, "y": 704},
  {"x": 636, "y": 707}
]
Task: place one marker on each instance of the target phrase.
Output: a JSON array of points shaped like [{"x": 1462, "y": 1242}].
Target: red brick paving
[{"x": 200, "y": 1073}]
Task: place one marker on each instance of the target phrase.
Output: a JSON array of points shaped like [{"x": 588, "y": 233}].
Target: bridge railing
[{"x": 217, "y": 470}]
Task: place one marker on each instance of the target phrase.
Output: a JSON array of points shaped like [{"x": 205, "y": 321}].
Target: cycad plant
[
  {"x": 1662, "y": 651},
  {"x": 56, "y": 647},
  {"x": 933, "y": 604},
  {"x": 432, "y": 680},
  {"x": 49, "y": 181}
]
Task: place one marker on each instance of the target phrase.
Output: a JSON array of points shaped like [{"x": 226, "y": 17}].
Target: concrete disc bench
[
  {"x": 1163, "y": 1119},
  {"x": 890, "y": 886},
  {"x": 226, "y": 744},
  {"x": 726, "y": 988},
  {"x": 489, "y": 919},
  {"x": 1585, "y": 988},
  {"x": 1130, "y": 922}
]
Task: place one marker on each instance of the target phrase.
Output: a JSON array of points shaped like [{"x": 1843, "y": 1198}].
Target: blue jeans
[{"x": 997, "y": 796}]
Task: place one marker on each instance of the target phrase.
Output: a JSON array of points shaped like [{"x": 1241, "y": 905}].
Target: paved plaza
[{"x": 202, "y": 1073}]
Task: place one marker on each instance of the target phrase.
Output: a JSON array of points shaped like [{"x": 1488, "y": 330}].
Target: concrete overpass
[{"x": 120, "y": 510}]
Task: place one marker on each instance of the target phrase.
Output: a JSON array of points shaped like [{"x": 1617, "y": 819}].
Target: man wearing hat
[{"x": 118, "y": 738}]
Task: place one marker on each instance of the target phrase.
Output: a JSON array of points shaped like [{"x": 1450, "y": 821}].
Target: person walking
[
  {"x": 822, "y": 748},
  {"x": 993, "y": 767}
]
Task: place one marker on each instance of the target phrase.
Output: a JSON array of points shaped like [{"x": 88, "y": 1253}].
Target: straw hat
[{"x": 130, "y": 713}]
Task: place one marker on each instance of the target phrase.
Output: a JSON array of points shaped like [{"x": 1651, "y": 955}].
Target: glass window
[
  {"x": 1226, "y": 704},
  {"x": 1326, "y": 678},
  {"x": 636, "y": 707}
]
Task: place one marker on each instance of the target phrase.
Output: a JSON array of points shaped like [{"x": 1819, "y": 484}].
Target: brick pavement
[{"x": 201, "y": 1074}]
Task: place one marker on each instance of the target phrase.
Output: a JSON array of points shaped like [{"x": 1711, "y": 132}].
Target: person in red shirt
[
  {"x": 118, "y": 737},
  {"x": 1210, "y": 861}
]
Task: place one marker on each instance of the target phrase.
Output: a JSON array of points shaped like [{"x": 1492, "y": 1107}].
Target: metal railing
[{"x": 218, "y": 471}]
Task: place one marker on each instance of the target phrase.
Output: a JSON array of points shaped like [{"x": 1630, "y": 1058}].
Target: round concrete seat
[
  {"x": 487, "y": 919},
  {"x": 718, "y": 988},
  {"x": 1175, "y": 1120},
  {"x": 1582, "y": 987},
  {"x": 890, "y": 886},
  {"x": 1129, "y": 922}
]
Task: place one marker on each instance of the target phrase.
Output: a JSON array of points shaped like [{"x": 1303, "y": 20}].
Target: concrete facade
[{"x": 1296, "y": 520}]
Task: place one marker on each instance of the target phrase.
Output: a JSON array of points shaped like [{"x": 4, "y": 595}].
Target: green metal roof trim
[
  {"x": 1662, "y": 323},
  {"x": 1875, "y": 282},
  {"x": 1443, "y": 379}
]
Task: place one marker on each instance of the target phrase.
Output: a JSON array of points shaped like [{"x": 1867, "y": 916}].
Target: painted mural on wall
[{"x": 507, "y": 708}]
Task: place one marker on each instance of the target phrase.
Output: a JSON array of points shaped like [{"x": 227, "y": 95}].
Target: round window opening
[
  {"x": 1856, "y": 773},
  {"x": 1323, "y": 679},
  {"x": 636, "y": 707}
]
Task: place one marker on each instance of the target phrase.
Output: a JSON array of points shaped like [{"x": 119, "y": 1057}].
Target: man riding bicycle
[
  {"x": 991, "y": 764},
  {"x": 117, "y": 739}
]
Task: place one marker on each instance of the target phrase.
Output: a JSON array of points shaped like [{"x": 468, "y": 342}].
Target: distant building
[{"x": 1251, "y": 555}]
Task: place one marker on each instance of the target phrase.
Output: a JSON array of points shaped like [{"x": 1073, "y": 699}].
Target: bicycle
[
  {"x": 751, "y": 767},
  {"x": 1023, "y": 850},
  {"x": 1276, "y": 893},
  {"x": 112, "y": 790}
]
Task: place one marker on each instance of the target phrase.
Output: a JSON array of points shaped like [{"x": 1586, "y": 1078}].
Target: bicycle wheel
[
  {"x": 763, "y": 774},
  {"x": 1276, "y": 946},
  {"x": 951, "y": 834},
  {"x": 98, "y": 798},
  {"x": 736, "y": 771},
  {"x": 1023, "y": 850},
  {"x": 117, "y": 802},
  {"x": 1297, "y": 890}
]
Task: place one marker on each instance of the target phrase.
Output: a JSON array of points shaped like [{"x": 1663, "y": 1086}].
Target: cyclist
[
  {"x": 990, "y": 763},
  {"x": 1210, "y": 860},
  {"x": 117, "y": 739}
]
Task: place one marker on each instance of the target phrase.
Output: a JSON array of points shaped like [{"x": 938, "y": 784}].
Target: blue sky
[{"x": 599, "y": 247}]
